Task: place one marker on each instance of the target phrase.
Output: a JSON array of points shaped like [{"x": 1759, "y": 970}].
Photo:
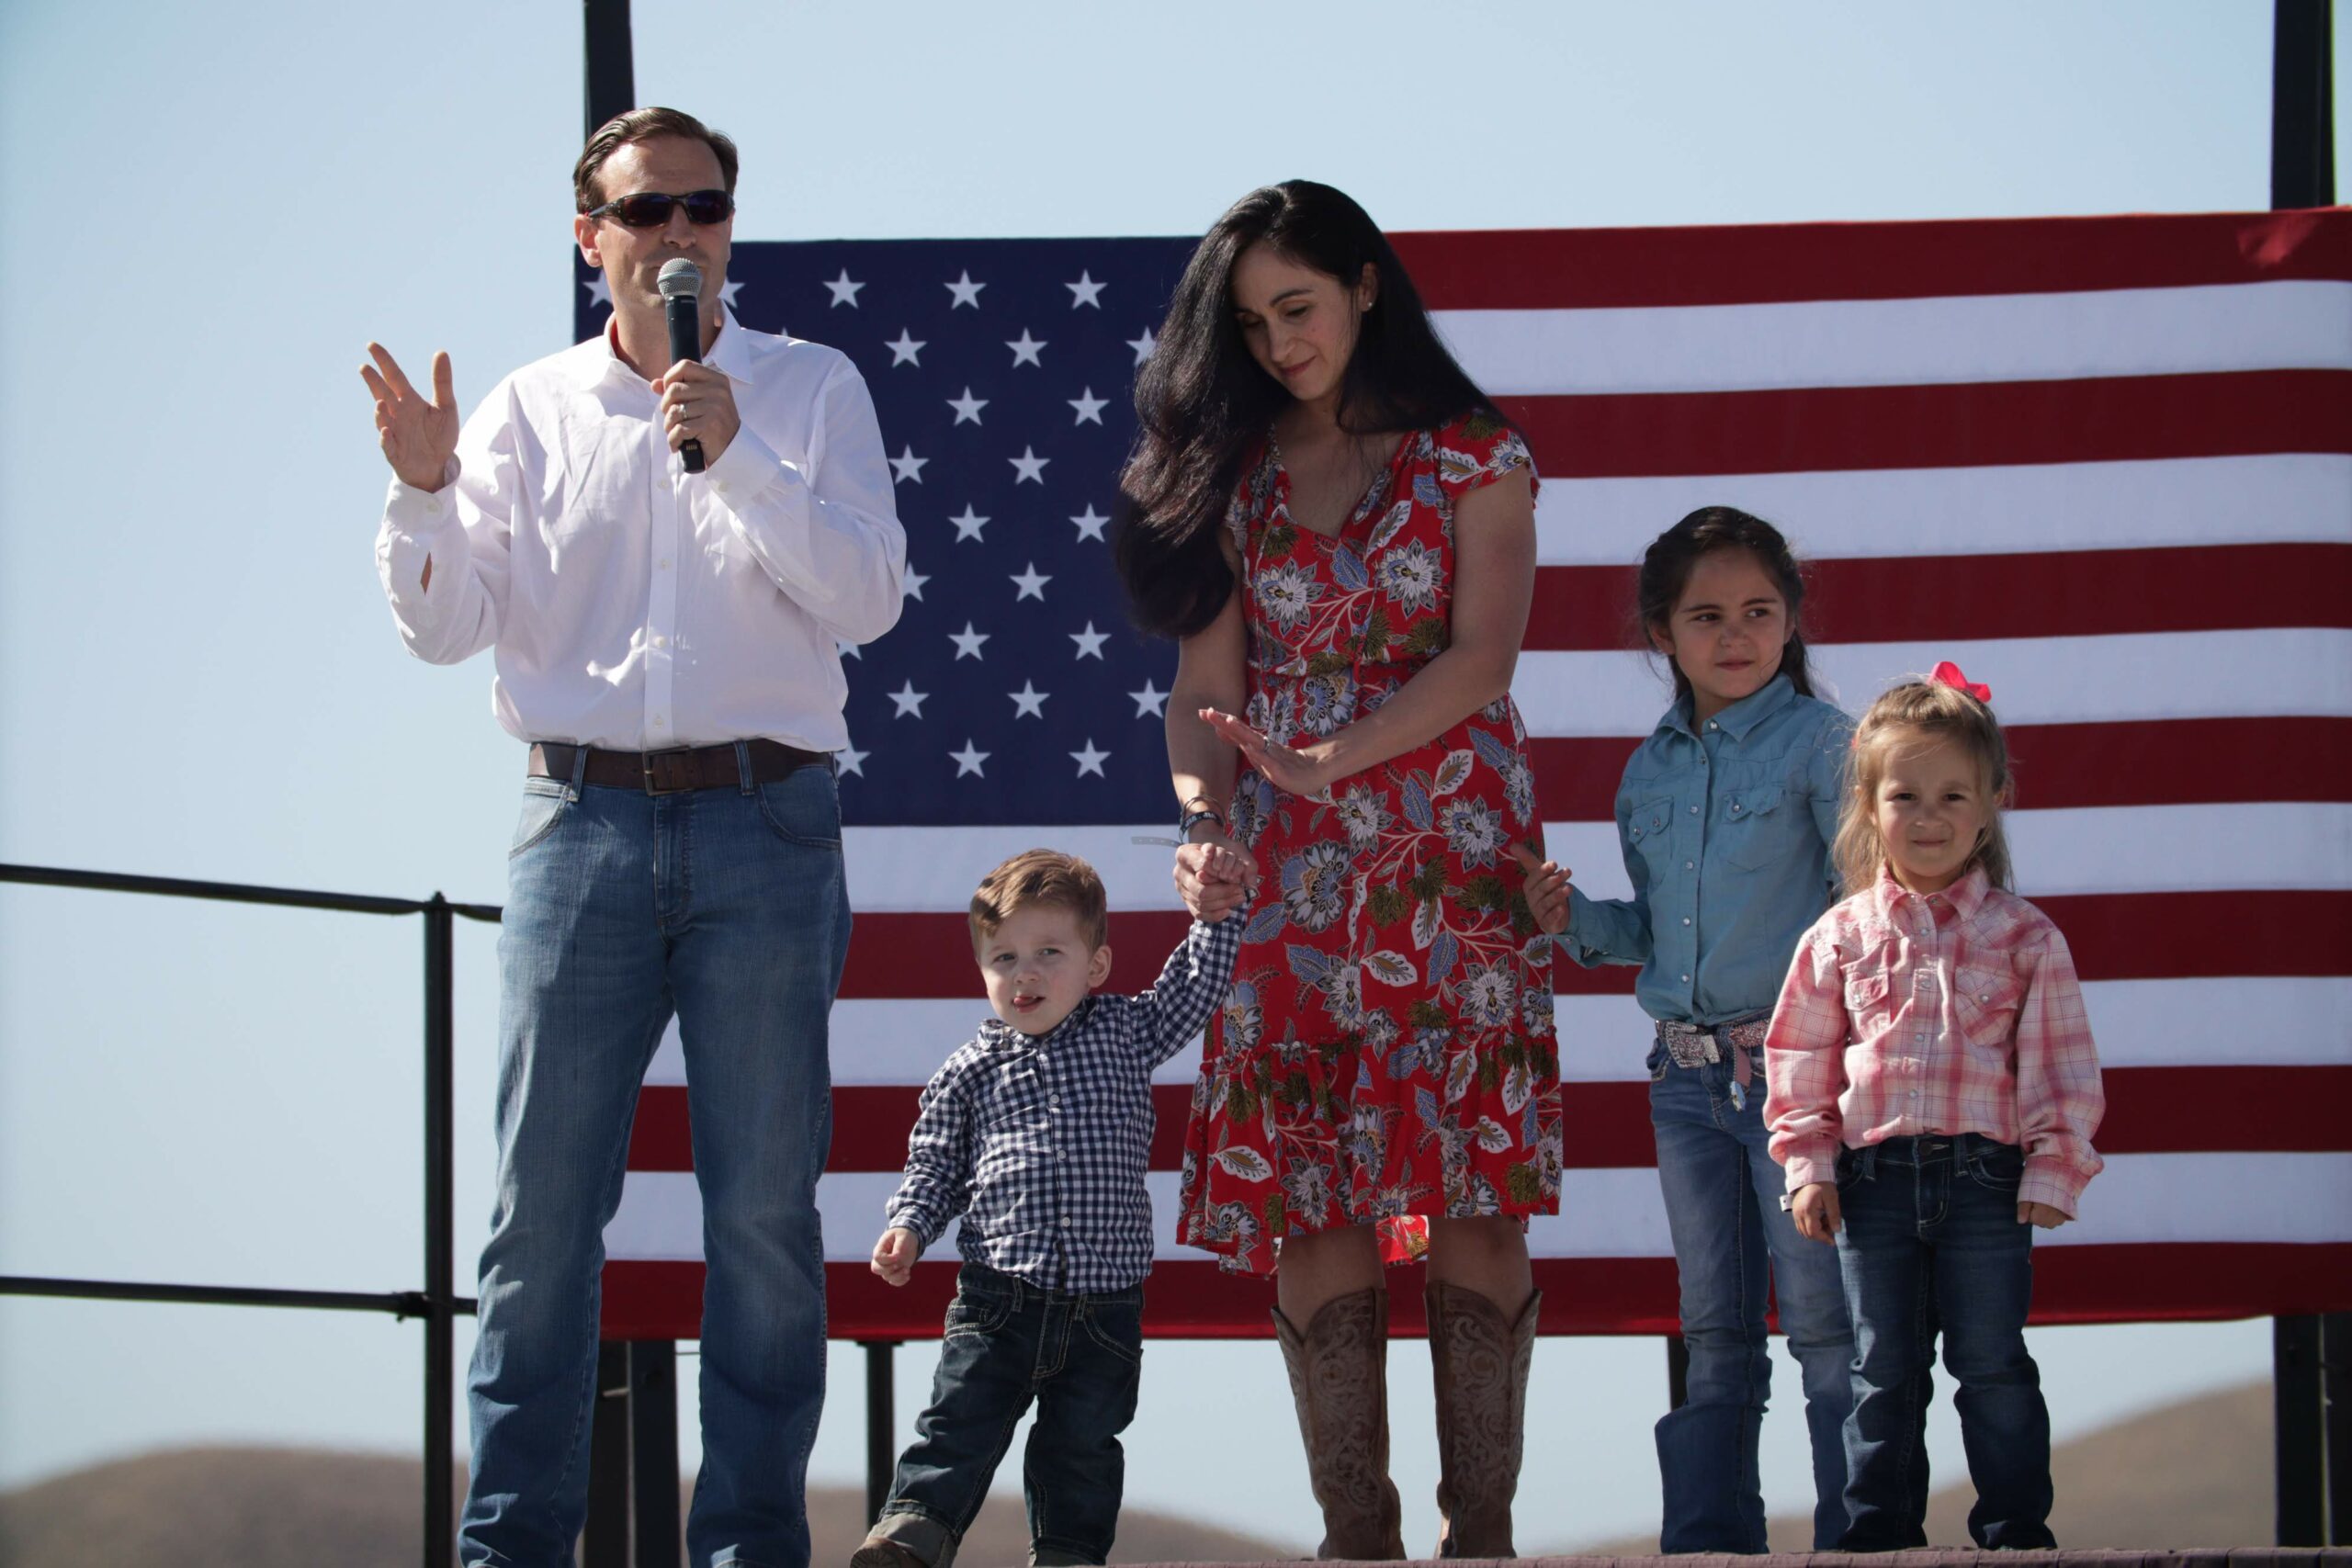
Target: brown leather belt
[{"x": 678, "y": 769}]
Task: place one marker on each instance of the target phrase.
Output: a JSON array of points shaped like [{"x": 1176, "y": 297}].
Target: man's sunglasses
[{"x": 651, "y": 208}]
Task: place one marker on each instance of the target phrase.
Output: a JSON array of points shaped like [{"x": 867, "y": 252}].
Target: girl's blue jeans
[
  {"x": 1733, "y": 1243},
  {"x": 1931, "y": 1245}
]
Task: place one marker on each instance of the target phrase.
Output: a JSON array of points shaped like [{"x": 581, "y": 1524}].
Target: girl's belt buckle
[{"x": 1688, "y": 1044}]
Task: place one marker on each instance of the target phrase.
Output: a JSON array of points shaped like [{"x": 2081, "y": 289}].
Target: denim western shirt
[
  {"x": 1040, "y": 1141},
  {"x": 1726, "y": 832}
]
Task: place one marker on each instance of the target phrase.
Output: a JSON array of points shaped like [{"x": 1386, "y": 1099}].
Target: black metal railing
[
  {"x": 436, "y": 1304},
  {"x": 633, "y": 1509}
]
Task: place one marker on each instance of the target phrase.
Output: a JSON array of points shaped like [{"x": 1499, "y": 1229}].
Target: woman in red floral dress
[{"x": 1339, "y": 527}]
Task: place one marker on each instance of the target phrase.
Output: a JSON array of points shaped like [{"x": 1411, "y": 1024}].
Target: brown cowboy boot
[
  {"x": 1338, "y": 1379},
  {"x": 1480, "y": 1363}
]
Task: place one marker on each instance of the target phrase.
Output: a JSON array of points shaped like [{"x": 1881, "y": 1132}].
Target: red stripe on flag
[
  {"x": 2116, "y": 936},
  {"x": 2190, "y": 1110},
  {"x": 2179, "y": 761},
  {"x": 1187, "y": 1300},
  {"x": 2171, "y": 936},
  {"x": 1965, "y": 424},
  {"x": 2061, "y": 594},
  {"x": 1571, "y": 268}
]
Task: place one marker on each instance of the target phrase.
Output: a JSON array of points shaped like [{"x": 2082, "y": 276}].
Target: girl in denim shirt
[{"x": 1727, "y": 814}]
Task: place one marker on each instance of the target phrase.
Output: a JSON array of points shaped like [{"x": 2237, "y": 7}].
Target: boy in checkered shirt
[{"x": 1038, "y": 1133}]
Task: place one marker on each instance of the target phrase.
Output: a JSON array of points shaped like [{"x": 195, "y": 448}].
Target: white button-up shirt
[{"x": 635, "y": 605}]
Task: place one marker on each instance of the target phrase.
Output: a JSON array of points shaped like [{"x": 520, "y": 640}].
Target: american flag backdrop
[{"x": 2103, "y": 464}]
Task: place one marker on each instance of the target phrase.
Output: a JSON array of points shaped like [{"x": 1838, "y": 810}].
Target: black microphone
[{"x": 681, "y": 285}]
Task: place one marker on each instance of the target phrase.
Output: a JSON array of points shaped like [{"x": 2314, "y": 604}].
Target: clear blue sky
[{"x": 216, "y": 207}]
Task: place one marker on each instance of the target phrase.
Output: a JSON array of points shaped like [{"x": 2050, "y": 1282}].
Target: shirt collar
[
  {"x": 1742, "y": 716},
  {"x": 1965, "y": 897},
  {"x": 730, "y": 351}
]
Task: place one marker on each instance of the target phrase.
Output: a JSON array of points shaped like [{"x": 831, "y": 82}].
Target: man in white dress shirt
[{"x": 666, "y": 648}]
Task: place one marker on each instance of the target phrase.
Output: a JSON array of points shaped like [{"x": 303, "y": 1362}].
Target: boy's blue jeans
[
  {"x": 1732, "y": 1240},
  {"x": 1931, "y": 1244},
  {"x": 1008, "y": 1342},
  {"x": 728, "y": 907}
]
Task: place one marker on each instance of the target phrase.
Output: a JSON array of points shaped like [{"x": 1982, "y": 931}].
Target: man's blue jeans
[
  {"x": 728, "y": 907},
  {"x": 1732, "y": 1240},
  {"x": 1080, "y": 1358},
  {"x": 1931, "y": 1243}
]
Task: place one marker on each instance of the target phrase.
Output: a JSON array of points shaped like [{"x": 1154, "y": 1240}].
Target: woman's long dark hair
[
  {"x": 1666, "y": 572},
  {"x": 1201, "y": 400}
]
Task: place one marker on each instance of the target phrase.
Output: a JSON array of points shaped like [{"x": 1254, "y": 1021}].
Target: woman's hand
[
  {"x": 1548, "y": 888},
  {"x": 1214, "y": 877},
  {"x": 2047, "y": 1216},
  {"x": 1303, "y": 770}
]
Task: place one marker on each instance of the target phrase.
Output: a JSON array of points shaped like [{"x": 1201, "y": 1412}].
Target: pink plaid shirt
[{"x": 1944, "y": 1014}]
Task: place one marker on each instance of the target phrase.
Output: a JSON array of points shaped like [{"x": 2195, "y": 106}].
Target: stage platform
[{"x": 1940, "y": 1557}]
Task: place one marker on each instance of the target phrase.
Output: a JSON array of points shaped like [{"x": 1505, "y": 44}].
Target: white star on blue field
[{"x": 1013, "y": 689}]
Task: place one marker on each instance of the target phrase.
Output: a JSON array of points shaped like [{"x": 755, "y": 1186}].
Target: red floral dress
[{"x": 1386, "y": 1048}]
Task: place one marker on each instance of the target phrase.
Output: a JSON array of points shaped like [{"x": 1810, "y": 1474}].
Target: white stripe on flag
[
  {"x": 1618, "y": 1213},
  {"x": 2294, "y": 324},
  {"x": 2272, "y": 673},
  {"x": 2288, "y": 498},
  {"x": 2228, "y": 1020},
  {"x": 2103, "y": 849}
]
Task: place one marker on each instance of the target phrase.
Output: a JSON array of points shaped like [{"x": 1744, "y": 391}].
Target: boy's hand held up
[
  {"x": 895, "y": 1254},
  {"x": 2042, "y": 1215},
  {"x": 1815, "y": 1208},
  {"x": 1547, "y": 889}
]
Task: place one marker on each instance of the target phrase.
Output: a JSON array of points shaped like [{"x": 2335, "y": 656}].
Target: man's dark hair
[{"x": 644, "y": 125}]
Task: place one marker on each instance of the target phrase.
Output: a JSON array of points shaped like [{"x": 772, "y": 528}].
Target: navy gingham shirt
[{"x": 1040, "y": 1141}]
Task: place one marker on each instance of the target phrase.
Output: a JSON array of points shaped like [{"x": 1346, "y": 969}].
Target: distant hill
[
  {"x": 254, "y": 1508},
  {"x": 2197, "y": 1473}
]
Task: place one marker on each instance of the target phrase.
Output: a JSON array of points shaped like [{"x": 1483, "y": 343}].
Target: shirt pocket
[
  {"x": 1869, "y": 1004},
  {"x": 1755, "y": 829},
  {"x": 1648, "y": 828},
  {"x": 1986, "y": 998}
]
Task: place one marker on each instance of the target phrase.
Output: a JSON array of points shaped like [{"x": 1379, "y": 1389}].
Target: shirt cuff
[
  {"x": 416, "y": 522},
  {"x": 745, "y": 471},
  {"x": 908, "y": 1216},
  {"x": 1809, "y": 1166},
  {"x": 1567, "y": 943},
  {"x": 2050, "y": 1182}
]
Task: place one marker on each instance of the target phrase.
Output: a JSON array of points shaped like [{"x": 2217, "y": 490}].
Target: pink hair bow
[{"x": 1948, "y": 674}]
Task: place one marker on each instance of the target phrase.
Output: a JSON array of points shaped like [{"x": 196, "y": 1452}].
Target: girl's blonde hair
[{"x": 1898, "y": 720}]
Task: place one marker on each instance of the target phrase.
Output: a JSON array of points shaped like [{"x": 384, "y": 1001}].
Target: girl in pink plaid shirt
[{"x": 1932, "y": 1092}]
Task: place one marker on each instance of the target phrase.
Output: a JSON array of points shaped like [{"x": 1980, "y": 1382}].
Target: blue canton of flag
[{"x": 1012, "y": 690}]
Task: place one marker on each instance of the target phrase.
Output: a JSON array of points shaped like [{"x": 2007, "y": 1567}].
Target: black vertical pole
[
  {"x": 440, "y": 1294},
  {"x": 609, "y": 88},
  {"x": 2296, "y": 1395},
  {"x": 606, "y": 1543},
  {"x": 2310, "y": 1468},
  {"x": 880, "y": 1415},
  {"x": 612, "y": 67},
  {"x": 653, "y": 1452},
  {"x": 2336, "y": 1420},
  {"x": 2302, "y": 106}
]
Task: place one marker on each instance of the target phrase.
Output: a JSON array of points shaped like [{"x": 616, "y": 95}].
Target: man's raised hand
[{"x": 418, "y": 434}]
